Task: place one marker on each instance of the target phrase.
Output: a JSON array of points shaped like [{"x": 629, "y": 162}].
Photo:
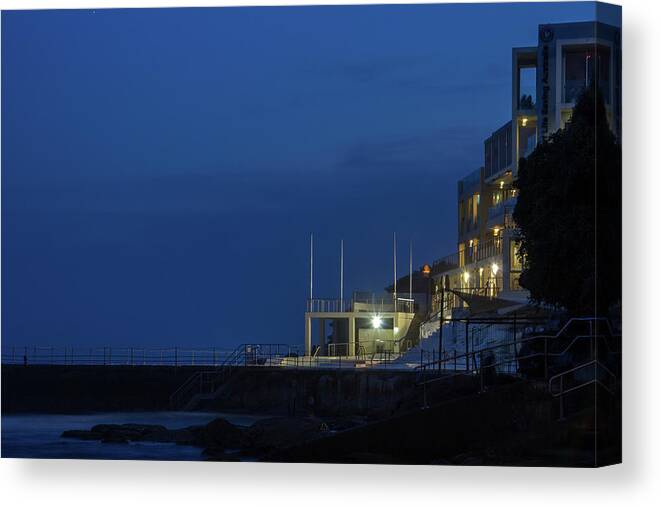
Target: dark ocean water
[{"x": 38, "y": 435}]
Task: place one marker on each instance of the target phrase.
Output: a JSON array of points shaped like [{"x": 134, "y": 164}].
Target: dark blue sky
[{"x": 162, "y": 169}]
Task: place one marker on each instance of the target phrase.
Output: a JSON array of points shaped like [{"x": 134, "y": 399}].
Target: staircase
[{"x": 204, "y": 385}]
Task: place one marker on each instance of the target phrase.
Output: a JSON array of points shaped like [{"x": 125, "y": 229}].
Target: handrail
[
  {"x": 437, "y": 364},
  {"x": 595, "y": 362},
  {"x": 384, "y": 304},
  {"x": 187, "y": 386},
  {"x": 245, "y": 354},
  {"x": 114, "y": 356},
  {"x": 471, "y": 354},
  {"x": 461, "y": 258}
]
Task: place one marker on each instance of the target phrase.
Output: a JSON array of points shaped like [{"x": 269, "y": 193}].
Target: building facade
[{"x": 546, "y": 81}]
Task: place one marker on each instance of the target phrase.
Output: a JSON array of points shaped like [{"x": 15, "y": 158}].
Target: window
[
  {"x": 527, "y": 136},
  {"x": 515, "y": 261},
  {"x": 527, "y": 87},
  {"x": 462, "y": 217},
  {"x": 469, "y": 212},
  {"x": 496, "y": 197},
  {"x": 582, "y": 65}
]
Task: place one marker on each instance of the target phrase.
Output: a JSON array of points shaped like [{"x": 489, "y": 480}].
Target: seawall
[{"x": 70, "y": 389}]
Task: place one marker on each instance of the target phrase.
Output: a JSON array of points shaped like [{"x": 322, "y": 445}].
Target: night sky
[{"x": 162, "y": 169}]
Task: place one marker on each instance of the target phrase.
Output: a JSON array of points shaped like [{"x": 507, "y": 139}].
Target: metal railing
[
  {"x": 461, "y": 258},
  {"x": 593, "y": 372},
  {"x": 385, "y": 359},
  {"x": 374, "y": 346},
  {"x": 329, "y": 305},
  {"x": 504, "y": 209},
  {"x": 114, "y": 356},
  {"x": 537, "y": 355},
  {"x": 246, "y": 355},
  {"x": 507, "y": 201},
  {"x": 374, "y": 304}
]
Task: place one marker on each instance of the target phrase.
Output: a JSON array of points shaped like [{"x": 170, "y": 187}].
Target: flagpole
[
  {"x": 342, "y": 274},
  {"x": 311, "y": 262},
  {"x": 411, "y": 270},
  {"x": 394, "y": 265}
]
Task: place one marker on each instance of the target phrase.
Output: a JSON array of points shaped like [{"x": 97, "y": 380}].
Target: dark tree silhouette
[{"x": 569, "y": 212}]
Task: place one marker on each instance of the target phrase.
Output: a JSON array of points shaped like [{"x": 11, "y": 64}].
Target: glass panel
[
  {"x": 527, "y": 87},
  {"x": 581, "y": 65},
  {"x": 527, "y": 138},
  {"x": 515, "y": 262}
]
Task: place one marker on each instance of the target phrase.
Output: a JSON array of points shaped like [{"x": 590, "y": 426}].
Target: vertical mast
[
  {"x": 411, "y": 269},
  {"x": 342, "y": 275},
  {"x": 311, "y": 262},
  {"x": 394, "y": 264}
]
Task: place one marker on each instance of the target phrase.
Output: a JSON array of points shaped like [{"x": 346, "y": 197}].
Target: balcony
[
  {"x": 502, "y": 208},
  {"x": 467, "y": 257},
  {"x": 361, "y": 304}
]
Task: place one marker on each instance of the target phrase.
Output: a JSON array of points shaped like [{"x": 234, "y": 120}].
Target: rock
[
  {"x": 221, "y": 434},
  {"x": 114, "y": 438},
  {"x": 192, "y": 435},
  {"x": 127, "y": 429},
  {"x": 81, "y": 435},
  {"x": 144, "y": 428},
  {"x": 105, "y": 428},
  {"x": 281, "y": 432}
]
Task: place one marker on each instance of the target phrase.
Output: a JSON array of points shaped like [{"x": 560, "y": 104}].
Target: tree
[{"x": 569, "y": 213}]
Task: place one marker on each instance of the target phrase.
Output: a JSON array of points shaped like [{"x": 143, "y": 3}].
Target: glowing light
[
  {"x": 396, "y": 330},
  {"x": 467, "y": 276},
  {"x": 494, "y": 268},
  {"x": 502, "y": 183},
  {"x": 376, "y": 322},
  {"x": 496, "y": 230},
  {"x": 524, "y": 121}
]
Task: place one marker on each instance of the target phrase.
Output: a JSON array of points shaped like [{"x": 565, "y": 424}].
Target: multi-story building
[{"x": 546, "y": 81}]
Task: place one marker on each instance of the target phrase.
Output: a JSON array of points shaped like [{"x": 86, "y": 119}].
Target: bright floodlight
[{"x": 376, "y": 322}]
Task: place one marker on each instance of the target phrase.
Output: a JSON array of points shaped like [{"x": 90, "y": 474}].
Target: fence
[
  {"x": 380, "y": 360},
  {"x": 131, "y": 356},
  {"x": 479, "y": 252},
  {"x": 380, "y": 304},
  {"x": 464, "y": 343},
  {"x": 588, "y": 342}
]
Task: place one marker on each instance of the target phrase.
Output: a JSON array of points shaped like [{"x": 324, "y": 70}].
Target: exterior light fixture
[
  {"x": 395, "y": 330},
  {"x": 494, "y": 268},
  {"x": 426, "y": 270},
  {"x": 502, "y": 183},
  {"x": 376, "y": 322},
  {"x": 467, "y": 276},
  {"x": 496, "y": 230},
  {"x": 524, "y": 121}
]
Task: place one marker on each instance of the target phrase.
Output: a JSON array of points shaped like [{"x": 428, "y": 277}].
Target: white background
[{"x": 636, "y": 482}]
